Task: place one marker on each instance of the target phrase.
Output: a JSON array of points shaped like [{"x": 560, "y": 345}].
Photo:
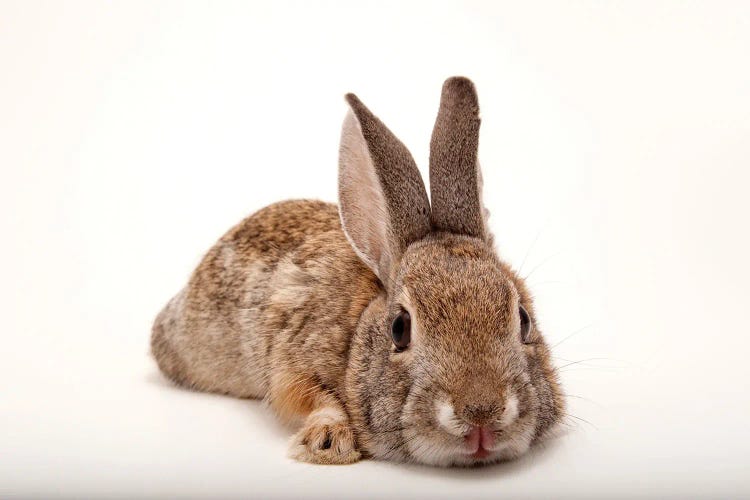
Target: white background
[{"x": 615, "y": 147}]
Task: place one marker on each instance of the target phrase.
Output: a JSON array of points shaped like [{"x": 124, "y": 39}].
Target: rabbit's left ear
[
  {"x": 382, "y": 200},
  {"x": 455, "y": 177}
]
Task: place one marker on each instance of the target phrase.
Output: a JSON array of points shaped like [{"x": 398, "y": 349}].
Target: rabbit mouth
[
  {"x": 481, "y": 453},
  {"x": 490, "y": 450},
  {"x": 442, "y": 450},
  {"x": 482, "y": 456},
  {"x": 480, "y": 441}
]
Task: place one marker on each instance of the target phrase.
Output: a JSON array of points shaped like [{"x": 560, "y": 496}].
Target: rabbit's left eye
[
  {"x": 525, "y": 325},
  {"x": 401, "y": 331}
]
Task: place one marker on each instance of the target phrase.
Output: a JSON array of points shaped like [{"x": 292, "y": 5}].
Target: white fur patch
[
  {"x": 290, "y": 284},
  {"x": 511, "y": 411},
  {"x": 328, "y": 415},
  {"x": 446, "y": 417},
  {"x": 227, "y": 255}
]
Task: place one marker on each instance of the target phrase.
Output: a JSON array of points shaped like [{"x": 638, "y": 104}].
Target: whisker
[
  {"x": 573, "y": 334},
  {"x": 534, "y": 285},
  {"x": 531, "y": 247},
  {"x": 584, "y": 361},
  {"x": 589, "y": 367},
  {"x": 582, "y": 398},
  {"x": 541, "y": 264},
  {"x": 581, "y": 419}
]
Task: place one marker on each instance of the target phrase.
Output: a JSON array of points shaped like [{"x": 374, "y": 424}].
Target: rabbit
[{"x": 385, "y": 328}]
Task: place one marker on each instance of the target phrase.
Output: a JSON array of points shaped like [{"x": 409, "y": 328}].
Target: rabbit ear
[
  {"x": 455, "y": 178},
  {"x": 383, "y": 202}
]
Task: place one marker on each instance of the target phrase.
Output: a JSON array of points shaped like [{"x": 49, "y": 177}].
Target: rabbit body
[
  {"x": 270, "y": 312},
  {"x": 297, "y": 304}
]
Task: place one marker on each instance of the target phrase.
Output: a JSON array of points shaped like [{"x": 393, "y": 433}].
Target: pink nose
[{"x": 480, "y": 441}]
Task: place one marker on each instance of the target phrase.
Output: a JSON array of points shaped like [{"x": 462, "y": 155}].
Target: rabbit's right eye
[
  {"x": 401, "y": 331},
  {"x": 525, "y": 325}
]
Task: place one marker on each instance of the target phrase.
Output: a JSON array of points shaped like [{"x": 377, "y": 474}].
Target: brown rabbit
[{"x": 388, "y": 327}]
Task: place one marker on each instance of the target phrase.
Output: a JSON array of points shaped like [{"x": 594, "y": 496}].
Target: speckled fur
[{"x": 284, "y": 307}]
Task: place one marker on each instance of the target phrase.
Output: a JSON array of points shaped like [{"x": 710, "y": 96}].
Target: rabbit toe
[{"x": 325, "y": 443}]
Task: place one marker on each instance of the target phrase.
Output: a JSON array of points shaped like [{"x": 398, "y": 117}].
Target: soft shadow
[
  {"x": 270, "y": 422},
  {"x": 258, "y": 407},
  {"x": 155, "y": 377}
]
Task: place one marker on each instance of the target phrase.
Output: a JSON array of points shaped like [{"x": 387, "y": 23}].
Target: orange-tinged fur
[{"x": 293, "y": 397}]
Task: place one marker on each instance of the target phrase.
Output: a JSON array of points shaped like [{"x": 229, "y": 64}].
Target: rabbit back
[{"x": 218, "y": 333}]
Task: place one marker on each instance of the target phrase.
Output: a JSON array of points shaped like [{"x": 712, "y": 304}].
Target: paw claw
[{"x": 325, "y": 443}]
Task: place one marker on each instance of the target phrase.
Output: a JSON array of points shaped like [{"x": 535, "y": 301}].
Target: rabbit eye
[
  {"x": 525, "y": 325},
  {"x": 401, "y": 331}
]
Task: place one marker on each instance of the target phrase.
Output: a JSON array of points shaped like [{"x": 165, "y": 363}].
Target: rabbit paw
[{"x": 325, "y": 438}]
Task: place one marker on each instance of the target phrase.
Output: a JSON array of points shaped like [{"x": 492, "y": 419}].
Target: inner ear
[
  {"x": 362, "y": 203},
  {"x": 383, "y": 201}
]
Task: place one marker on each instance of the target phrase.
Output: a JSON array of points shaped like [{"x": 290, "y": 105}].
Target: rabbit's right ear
[
  {"x": 455, "y": 176},
  {"x": 382, "y": 200}
]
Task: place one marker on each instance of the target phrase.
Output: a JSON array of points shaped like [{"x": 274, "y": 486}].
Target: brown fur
[
  {"x": 293, "y": 307},
  {"x": 455, "y": 179},
  {"x": 405, "y": 195}
]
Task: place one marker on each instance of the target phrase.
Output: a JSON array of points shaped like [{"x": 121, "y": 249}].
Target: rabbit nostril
[{"x": 478, "y": 415}]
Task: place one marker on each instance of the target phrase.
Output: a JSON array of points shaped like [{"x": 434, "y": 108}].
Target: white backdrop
[{"x": 616, "y": 156}]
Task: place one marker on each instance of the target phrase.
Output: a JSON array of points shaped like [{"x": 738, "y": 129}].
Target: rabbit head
[{"x": 451, "y": 368}]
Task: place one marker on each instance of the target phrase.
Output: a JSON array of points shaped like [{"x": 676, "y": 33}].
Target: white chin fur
[
  {"x": 427, "y": 451},
  {"x": 448, "y": 450}
]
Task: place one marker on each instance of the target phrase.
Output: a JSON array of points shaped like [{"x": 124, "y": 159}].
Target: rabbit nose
[{"x": 482, "y": 414}]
